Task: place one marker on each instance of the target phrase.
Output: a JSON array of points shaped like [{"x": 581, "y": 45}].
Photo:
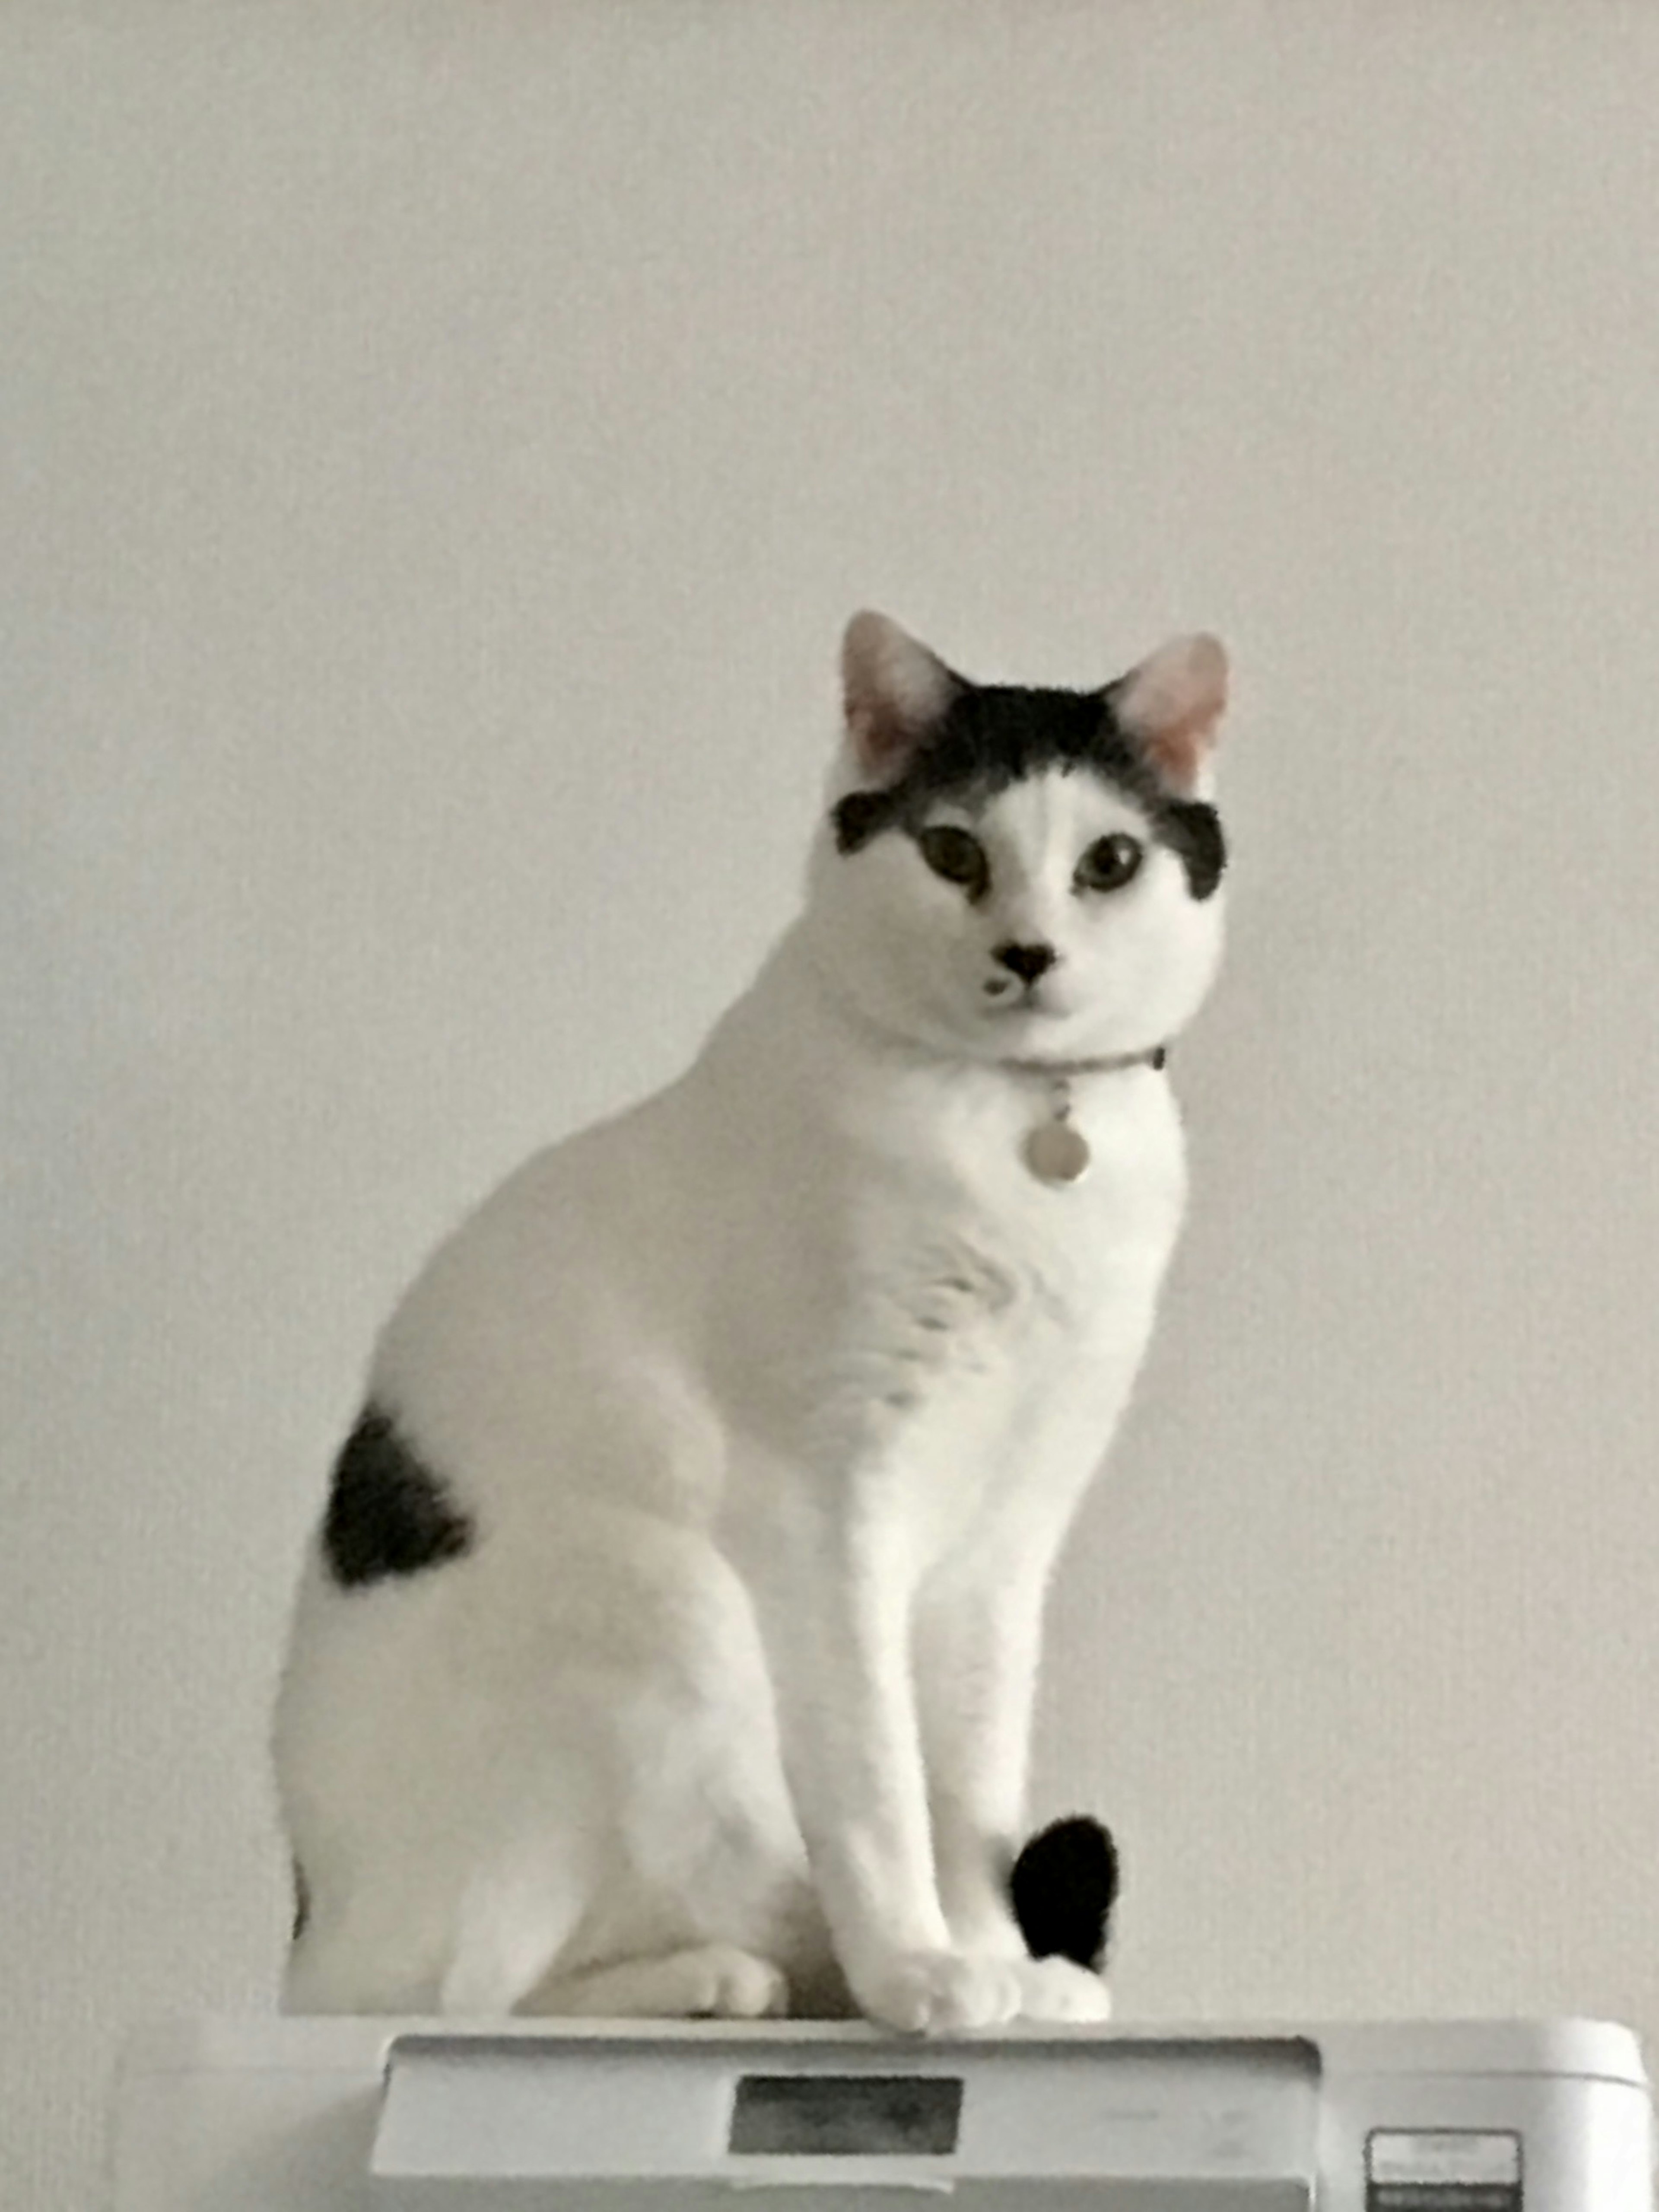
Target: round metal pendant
[{"x": 1057, "y": 1152}]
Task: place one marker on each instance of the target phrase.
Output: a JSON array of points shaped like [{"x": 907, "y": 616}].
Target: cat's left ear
[
  {"x": 1171, "y": 704},
  {"x": 897, "y": 693}
]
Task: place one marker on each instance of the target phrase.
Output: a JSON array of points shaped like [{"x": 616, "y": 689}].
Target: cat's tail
[{"x": 1064, "y": 1885}]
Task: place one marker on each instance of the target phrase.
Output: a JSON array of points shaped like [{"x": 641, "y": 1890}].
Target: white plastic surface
[{"x": 387, "y": 2116}]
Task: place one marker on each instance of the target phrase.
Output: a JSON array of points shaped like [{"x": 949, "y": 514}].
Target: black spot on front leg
[{"x": 388, "y": 1513}]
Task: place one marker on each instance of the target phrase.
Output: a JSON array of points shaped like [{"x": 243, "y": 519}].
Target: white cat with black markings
[{"x": 669, "y": 1643}]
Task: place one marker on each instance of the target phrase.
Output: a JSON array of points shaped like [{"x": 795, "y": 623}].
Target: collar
[{"x": 1061, "y": 1071}]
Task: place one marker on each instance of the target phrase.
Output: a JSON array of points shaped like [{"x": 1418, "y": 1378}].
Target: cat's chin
[
  {"x": 1018, "y": 1035},
  {"x": 1038, "y": 1033}
]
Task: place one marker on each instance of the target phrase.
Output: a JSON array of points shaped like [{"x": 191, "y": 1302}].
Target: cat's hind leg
[
  {"x": 391, "y": 1947},
  {"x": 383, "y": 1953},
  {"x": 513, "y": 1921},
  {"x": 711, "y": 1981}
]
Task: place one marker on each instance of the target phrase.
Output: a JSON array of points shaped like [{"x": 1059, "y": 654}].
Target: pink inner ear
[
  {"x": 1180, "y": 750},
  {"x": 879, "y": 739},
  {"x": 1172, "y": 706},
  {"x": 895, "y": 691}
]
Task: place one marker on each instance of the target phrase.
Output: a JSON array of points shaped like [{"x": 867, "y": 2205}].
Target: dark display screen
[{"x": 846, "y": 2116}]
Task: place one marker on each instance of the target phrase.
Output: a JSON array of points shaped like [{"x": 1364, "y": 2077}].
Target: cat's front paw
[
  {"x": 935, "y": 1992},
  {"x": 1055, "y": 1989}
]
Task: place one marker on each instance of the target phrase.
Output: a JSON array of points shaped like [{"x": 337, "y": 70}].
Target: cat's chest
[
  {"x": 953, "y": 1321},
  {"x": 1065, "y": 1180},
  {"x": 920, "y": 1258}
]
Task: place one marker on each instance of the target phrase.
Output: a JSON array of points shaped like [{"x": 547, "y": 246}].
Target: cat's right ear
[
  {"x": 1171, "y": 705},
  {"x": 896, "y": 692}
]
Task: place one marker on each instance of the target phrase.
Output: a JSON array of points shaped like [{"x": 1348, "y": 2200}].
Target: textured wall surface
[{"x": 440, "y": 445}]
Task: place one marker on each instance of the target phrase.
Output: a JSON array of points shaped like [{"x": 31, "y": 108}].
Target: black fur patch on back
[
  {"x": 995, "y": 734},
  {"x": 387, "y": 1513},
  {"x": 1064, "y": 1885}
]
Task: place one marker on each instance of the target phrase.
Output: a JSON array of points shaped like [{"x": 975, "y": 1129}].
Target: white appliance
[{"x": 387, "y": 2116}]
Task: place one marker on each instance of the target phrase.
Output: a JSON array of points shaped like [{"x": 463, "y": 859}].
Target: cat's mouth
[{"x": 1004, "y": 995}]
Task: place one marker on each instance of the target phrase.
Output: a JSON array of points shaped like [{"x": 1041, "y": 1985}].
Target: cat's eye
[
  {"x": 1109, "y": 862},
  {"x": 957, "y": 856}
]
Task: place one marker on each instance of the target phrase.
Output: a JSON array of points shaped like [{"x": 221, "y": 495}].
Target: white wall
[{"x": 440, "y": 445}]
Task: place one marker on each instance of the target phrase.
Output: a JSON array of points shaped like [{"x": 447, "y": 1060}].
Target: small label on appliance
[{"x": 1445, "y": 2170}]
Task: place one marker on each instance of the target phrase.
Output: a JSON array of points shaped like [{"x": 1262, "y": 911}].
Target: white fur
[{"x": 771, "y": 1400}]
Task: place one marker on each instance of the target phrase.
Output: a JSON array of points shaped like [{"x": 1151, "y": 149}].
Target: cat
[{"x": 669, "y": 1641}]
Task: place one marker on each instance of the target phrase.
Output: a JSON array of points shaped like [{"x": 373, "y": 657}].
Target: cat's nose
[{"x": 1028, "y": 962}]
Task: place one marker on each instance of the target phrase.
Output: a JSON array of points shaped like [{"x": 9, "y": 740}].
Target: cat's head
[{"x": 1011, "y": 874}]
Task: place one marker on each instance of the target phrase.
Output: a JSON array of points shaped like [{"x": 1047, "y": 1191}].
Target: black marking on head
[
  {"x": 1063, "y": 1887},
  {"x": 859, "y": 817},
  {"x": 388, "y": 1513},
  {"x": 1193, "y": 832},
  {"x": 996, "y": 734},
  {"x": 302, "y": 1902}
]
